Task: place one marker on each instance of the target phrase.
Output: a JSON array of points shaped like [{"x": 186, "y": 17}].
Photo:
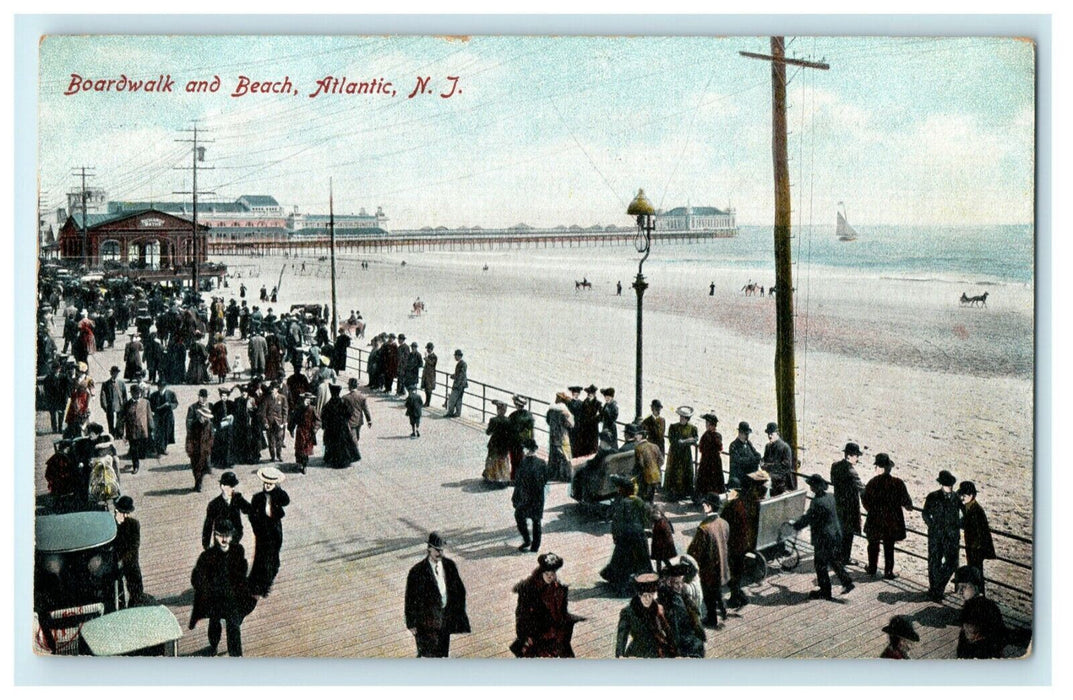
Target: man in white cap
[{"x": 266, "y": 520}]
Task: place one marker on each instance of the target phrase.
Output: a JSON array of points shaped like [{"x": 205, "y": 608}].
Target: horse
[
  {"x": 982, "y": 299},
  {"x": 751, "y": 289},
  {"x": 583, "y": 284}
]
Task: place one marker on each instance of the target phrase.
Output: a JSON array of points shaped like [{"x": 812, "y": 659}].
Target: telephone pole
[
  {"x": 198, "y": 153},
  {"x": 85, "y": 251},
  {"x": 784, "y": 286},
  {"x": 331, "y": 233}
]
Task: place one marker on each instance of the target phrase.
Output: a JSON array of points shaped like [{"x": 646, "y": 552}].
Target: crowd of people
[{"x": 185, "y": 341}]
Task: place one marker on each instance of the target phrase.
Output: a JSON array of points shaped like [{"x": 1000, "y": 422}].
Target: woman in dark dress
[
  {"x": 340, "y": 447},
  {"x": 501, "y": 432},
  {"x": 544, "y": 626},
  {"x": 643, "y": 630},
  {"x": 198, "y": 370},
  {"x": 629, "y": 518},
  {"x": 710, "y": 469}
]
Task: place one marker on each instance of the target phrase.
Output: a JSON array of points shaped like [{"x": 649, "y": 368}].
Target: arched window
[
  {"x": 152, "y": 255},
  {"x": 110, "y": 251},
  {"x": 134, "y": 254}
]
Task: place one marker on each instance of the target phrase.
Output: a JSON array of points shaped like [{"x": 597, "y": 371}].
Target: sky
[{"x": 915, "y": 131}]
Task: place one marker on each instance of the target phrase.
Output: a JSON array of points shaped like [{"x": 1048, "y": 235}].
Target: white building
[{"x": 700, "y": 219}]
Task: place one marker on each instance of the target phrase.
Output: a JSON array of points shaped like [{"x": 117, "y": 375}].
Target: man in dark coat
[
  {"x": 137, "y": 426},
  {"x": 229, "y": 505},
  {"x": 942, "y": 515},
  {"x": 221, "y": 591},
  {"x": 403, "y": 355},
  {"x": 459, "y": 382},
  {"x": 744, "y": 458},
  {"x": 199, "y": 436},
  {"x": 223, "y": 423},
  {"x": 274, "y": 414},
  {"x": 779, "y": 462},
  {"x": 57, "y": 386},
  {"x": 978, "y": 542},
  {"x": 357, "y": 410},
  {"x": 163, "y": 402},
  {"x": 655, "y": 427},
  {"x": 826, "y": 537},
  {"x": 390, "y": 359},
  {"x": 983, "y": 632},
  {"x": 428, "y": 375},
  {"x": 742, "y": 515},
  {"x": 588, "y": 424},
  {"x": 847, "y": 487},
  {"x": 339, "y": 353},
  {"x": 128, "y": 539},
  {"x": 528, "y": 496},
  {"x": 435, "y": 601},
  {"x": 154, "y": 357},
  {"x": 884, "y": 498},
  {"x": 573, "y": 404},
  {"x": 113, "y": 399},
  {"x": 522, "y": 425},
  {"x": 542, "y": 623},
  {"x": 266, "y": 520}
]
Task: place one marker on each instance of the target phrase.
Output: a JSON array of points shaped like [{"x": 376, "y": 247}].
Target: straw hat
[{"x": 270, "y": 475}]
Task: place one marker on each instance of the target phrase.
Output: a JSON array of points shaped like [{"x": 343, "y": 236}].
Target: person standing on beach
[
  {"x": 942, "y": 515},
  {"x": 459, "y": 382},
  {"x": 682, "y": 436},
  {"x": 428, "y": 376},
  {"x": 978, "y": 542},
  {"x": 618, "y": 288},
  {"x": 711, "y": 289},
  {"x": 847, "y": 491},
  {"x": 884, "y": 498},
  {"x": 744, "y": 458},
  {"x": 779, "y": 462}
]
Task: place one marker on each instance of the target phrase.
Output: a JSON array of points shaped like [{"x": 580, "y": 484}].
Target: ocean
[{"x": 971, "y": 255}]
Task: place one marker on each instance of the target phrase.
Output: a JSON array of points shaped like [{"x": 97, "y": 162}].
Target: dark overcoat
[
  {"x": 822, "y": 521},
  {"x": 884, "y": 497},
  {"x": 542, "y": 623},
  {"x": 942, "y": 515},
  {"x": 424, "y": 607},
  {"x": 847, "y": 487},
  {"x": 529, "y": 482},
  {"x": 647, "y": 632},
  {"x": 220, "y": 586},
  {"x": 978, "y": 541},
  {"x": 219, "y": 510}
]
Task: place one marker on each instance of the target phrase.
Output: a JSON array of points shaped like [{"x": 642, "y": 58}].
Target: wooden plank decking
[{"x": 351, "y": 535}]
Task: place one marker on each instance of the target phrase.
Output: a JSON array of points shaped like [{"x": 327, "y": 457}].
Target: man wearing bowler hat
[
  {"x": 778, "y": 461},
  {"x": 709, "y": 549},
  {"x": 229, "y": 505},
  {"x": 983, "y": 632},
  {"x": 847, "y": 488},
  {"x": 128, "y": 538},
  {"x": 942, "y": 515},
  {"x": 978, "y": 542},
  {"x": 113, "y": 399},
  {"x": 266, "y": 520},
  {"x": 884, "y": 498},
  {"x": 826, "y": 538},
  {"x": 435, "y": 601},
  {"x": 655, "y": 427},
  {"x": 744, "y": 458},
  {"x": 221, "y": 591}
]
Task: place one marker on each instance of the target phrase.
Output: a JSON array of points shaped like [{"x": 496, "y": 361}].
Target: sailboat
[{"x": 845, "y": 231}]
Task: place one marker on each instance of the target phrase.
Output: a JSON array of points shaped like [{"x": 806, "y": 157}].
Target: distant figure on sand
[
  {"x": 618, "y": 288},
  {"x": 711, "y": 289}
]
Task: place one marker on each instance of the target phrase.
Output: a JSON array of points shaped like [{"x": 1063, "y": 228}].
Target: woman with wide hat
[
  {"x": 681, "y": 437},
  {"x": 501, "y": 439},
  {"x": 543, "y": 625}
]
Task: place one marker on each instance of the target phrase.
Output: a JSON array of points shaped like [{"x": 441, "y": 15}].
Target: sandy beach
[{"x": 893, "y": 363}]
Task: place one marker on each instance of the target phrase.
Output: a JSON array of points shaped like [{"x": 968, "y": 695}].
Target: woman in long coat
[
  {"x": 218, "y": 359},
  {"x": 643, "y": 630},
  {"x": 543, "y": 625},
  {"x": 274, "y": 359},
  {"x": 163, "y": 402},
  {"x": 710, "y": 470},
  {"x": 175, "y": 362},
  {"x": 86, "y": 335},
  {"x": 497, "y": 463},
  {"x": 560, "y": 423},
  {"x": 132, "y": 359},
  {"x": 197, "y": 372},
  {"x": 303, "y": 427},
  {"x": 246, "y": 438},
  {"x": 678, "y": 477},
  {"x": 340, "y": 447},
  {"x": 339, "y": 355},
  {"x": 629, "y": 517}
]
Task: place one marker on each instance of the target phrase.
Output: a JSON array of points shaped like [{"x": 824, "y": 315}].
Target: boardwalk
[{"x": 351, "y": 535}]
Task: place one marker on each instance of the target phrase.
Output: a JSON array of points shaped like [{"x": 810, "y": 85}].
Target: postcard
[{"x": 500, "y": 347}]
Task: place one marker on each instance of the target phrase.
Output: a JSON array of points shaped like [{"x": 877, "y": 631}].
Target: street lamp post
[{"x": 642, "y": 209}]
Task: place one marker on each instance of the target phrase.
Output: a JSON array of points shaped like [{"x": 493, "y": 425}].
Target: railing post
[{"x": 484, "y": 400}]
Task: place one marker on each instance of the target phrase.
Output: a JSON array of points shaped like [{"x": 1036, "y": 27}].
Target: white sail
[{"x": 845, "y": 231}]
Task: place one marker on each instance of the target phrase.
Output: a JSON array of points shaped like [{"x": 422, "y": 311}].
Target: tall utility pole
[
  {"x": 784, "y": 285},
  {"x": 85, "y": 235},
  {"x": 331, "y": 234},
  {"x": 198, "y": 155}
]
